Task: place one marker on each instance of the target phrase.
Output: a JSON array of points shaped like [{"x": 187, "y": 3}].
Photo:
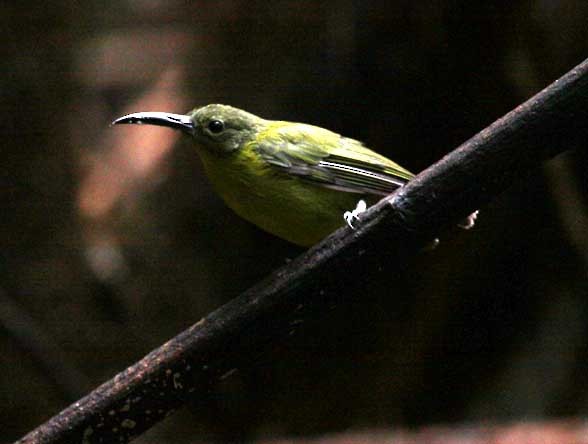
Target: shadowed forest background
[{"x": 112, "y": 241}]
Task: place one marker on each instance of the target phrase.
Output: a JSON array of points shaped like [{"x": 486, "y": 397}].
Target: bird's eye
[{"x": 216, "y": 126}]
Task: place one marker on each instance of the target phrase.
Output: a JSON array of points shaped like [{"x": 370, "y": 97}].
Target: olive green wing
[{"x": 328, "y": 159}]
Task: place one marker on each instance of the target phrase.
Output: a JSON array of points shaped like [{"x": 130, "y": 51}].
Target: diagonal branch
[{"x": 395, "y": 229}]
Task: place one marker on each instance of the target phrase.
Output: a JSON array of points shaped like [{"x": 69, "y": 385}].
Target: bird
[{"x": 294, "y": 180}]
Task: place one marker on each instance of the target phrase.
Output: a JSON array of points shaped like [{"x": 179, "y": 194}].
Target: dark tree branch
[{"x": 390, "y": 232}]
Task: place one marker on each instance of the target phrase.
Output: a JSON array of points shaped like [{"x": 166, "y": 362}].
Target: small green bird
[{"x": 293, "y": 180}]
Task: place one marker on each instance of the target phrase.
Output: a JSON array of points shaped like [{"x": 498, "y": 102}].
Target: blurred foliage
[{"x": 108, "y": 246}]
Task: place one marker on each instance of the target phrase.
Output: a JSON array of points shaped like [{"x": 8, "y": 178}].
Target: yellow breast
[{"x": 284, "y": 205}]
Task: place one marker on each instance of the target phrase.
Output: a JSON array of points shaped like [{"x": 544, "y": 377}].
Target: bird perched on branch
[{"x": 293, "y": 180}]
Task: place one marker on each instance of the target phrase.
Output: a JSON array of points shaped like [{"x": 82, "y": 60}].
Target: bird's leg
[{"x": 349, "y": 216}]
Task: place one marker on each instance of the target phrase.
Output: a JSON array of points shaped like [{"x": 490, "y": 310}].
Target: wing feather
[{"x": 328, "y": 159}]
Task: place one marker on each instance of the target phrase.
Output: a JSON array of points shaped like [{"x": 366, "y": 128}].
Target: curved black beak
[{"x": 175, "y": 121}]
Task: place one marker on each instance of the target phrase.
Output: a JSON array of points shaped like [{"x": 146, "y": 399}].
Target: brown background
[{"x": 112, "y": 241}]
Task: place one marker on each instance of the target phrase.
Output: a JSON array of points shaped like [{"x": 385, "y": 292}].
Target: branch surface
[{"x": 391, "y": 232}]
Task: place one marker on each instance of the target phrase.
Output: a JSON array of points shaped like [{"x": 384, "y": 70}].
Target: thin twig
[
  {"x": 33, "y": 339},
  {"x": 390, "y": 232}
]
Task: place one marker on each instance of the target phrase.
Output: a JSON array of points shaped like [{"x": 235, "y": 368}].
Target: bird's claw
[
  {"x": 349, "y": 216},
  {"x": 469, "y": 221}
]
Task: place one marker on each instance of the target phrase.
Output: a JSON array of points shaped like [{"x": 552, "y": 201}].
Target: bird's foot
[
  {"x": 469, "y": 221},
  {"x": 350, "y": 216}
]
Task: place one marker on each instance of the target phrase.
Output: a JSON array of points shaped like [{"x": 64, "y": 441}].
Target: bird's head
[{"x": 220, "y": 129}]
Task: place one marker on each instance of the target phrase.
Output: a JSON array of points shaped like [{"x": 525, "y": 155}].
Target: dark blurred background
[{"x": 112, "y": 241}]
